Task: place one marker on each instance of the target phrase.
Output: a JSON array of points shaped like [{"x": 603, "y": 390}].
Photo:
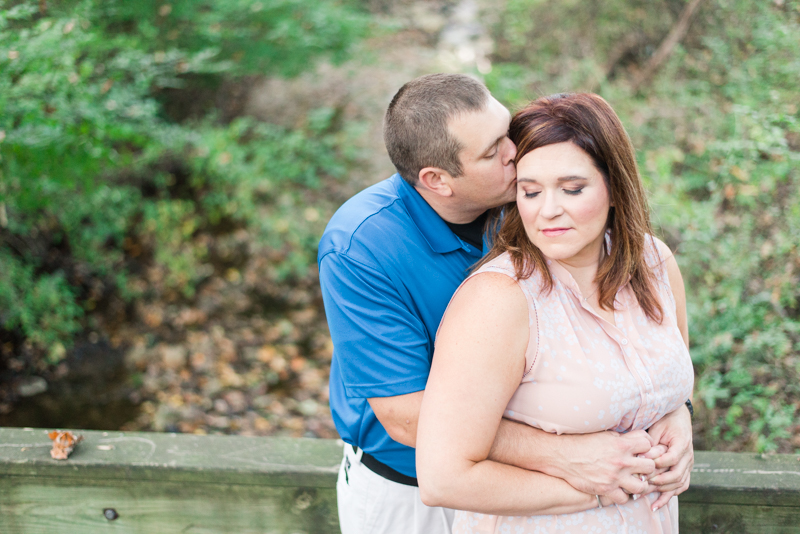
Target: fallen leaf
[{"x": 63, "y": 443}]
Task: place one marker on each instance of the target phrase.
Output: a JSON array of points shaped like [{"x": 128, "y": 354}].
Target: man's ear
[{"x": 436, "y": 180}]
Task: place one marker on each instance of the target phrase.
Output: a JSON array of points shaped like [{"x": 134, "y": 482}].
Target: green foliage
[
  {"x": 278, "y": 36},
  {"x": 42, "y": 306},
  {"x": 718, "y": 137},
  {"x": 92, "y": 167}
]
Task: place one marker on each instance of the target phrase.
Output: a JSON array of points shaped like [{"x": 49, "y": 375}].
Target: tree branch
[{"x": 667, "y": 46}]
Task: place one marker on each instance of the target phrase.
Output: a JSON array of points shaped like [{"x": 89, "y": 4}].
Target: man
[{"x": 390, "y": 260}]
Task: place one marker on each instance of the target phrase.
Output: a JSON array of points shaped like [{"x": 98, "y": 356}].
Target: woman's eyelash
[{"x": 573, "y": 192}]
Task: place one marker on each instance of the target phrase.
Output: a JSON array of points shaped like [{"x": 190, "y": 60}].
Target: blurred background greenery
[{"x": 167, "y": 168}]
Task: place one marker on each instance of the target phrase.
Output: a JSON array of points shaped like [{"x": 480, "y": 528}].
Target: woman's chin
[{"x": 557, "y": 252}]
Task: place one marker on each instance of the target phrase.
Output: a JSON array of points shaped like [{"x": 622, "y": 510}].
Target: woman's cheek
[
  {"x": 591, "y": 209},
  {"x": 527, "y": 211}
]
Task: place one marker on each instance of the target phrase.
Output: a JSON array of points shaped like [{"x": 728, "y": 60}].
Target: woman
[{"x": 574, "y": 323}]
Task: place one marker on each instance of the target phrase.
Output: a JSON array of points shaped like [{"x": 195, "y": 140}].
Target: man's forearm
[
  {"x": 527, "y": 447},
  {"x": 599, "y": 463},
  {"x": 602, "y": 463}
]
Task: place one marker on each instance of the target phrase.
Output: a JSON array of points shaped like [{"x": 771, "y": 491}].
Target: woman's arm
[
  {"x": 674, "y": 430},
  {"x": 477, "y": 366},
  {"x": 679, "y": 293}
]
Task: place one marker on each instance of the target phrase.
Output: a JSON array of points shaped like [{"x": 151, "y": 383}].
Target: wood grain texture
[
  {"x": 175, "y": 457},
  {"x": 211, "y": 484},
  {"x": 69, "y": 505},
  {"x": 739, "y": 519},
  {"x": 168, "y": 483}
]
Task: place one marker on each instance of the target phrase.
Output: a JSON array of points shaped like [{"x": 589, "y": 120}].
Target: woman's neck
[{"x": 583, "y": 266}]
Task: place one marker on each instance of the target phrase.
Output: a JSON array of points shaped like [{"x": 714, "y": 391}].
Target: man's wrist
[
  {"x": 556, "y": 455},
  {"x": 527, "y": 447}
]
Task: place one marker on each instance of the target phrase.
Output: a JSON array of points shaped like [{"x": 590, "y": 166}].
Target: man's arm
[
  {"x": 399, "y": 416},
  {"x": 374, "y": 333},
  {"x": 602, "y": 463}
]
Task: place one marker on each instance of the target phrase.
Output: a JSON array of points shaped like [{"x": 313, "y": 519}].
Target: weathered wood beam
[
  {"x": 737, "y": 493},
  {"x": 154, "y": 482}
]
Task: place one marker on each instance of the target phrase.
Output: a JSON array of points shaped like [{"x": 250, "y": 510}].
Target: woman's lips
[{"x": 553, "y": 232}]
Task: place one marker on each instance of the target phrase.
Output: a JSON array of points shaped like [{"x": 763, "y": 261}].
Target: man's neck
[
  {"x": 448, "y": 210},
  {"x": 472, "y": 232}
]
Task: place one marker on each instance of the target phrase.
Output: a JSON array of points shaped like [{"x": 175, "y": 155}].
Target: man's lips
[{"x": 553, "y": 232}]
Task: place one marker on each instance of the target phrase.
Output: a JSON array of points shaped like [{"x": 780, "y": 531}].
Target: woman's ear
[{"x": 436, "y": 180}]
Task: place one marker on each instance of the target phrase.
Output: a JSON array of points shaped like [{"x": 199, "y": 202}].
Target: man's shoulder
[{"x": 364, "y": 217}]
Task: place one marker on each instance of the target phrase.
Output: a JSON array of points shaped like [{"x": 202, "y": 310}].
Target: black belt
[{"x": 384, "y": 470}]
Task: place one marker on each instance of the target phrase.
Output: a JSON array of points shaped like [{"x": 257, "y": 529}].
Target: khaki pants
[{"x": 370, "y": 504}]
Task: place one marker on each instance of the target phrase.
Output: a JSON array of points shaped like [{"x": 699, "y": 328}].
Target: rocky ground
[{"x": 245, "y": 355}]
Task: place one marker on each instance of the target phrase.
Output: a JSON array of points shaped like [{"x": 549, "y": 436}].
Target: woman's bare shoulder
[{"x": 489, "y": 295}]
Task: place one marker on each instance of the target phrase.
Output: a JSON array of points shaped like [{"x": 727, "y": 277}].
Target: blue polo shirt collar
[{"x": 432, "y": 227}]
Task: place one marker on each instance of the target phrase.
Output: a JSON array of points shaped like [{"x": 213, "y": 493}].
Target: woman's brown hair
[{"x": 589, "y": 122}]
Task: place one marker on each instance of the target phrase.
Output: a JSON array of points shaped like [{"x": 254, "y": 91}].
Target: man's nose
[{"x": 510, "y": 151}]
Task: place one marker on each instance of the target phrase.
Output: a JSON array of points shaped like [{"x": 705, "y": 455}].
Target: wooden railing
[{"x": 176, "y": 483}]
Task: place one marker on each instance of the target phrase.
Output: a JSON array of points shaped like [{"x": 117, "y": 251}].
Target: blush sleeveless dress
[{"x": 584, "y": 374}]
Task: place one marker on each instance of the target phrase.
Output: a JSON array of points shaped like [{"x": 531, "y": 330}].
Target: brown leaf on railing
[{"x": 63, "y": 443}]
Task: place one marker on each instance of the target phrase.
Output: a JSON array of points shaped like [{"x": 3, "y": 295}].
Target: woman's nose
[{"x": 551, "y": 208}]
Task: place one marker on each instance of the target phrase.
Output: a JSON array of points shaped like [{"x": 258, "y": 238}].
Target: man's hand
[
  {"x": 606, "y": 463},
  {"x": 674, "y": 468}
]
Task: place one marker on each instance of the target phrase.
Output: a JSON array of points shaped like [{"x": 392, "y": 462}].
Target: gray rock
[{"x": 32, "y": 385}]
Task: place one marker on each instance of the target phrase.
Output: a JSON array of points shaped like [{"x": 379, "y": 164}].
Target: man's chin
[{"x": 502, "y": 203}]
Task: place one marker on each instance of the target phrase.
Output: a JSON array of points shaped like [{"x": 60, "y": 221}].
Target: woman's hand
[
  {"x": 674, "y": 467},
  {"x": 477, "y": 366},
  {"x": 604, "y": 463}
]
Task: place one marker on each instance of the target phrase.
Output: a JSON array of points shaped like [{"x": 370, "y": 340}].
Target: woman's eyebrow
[{"x": 570, "y": 178}]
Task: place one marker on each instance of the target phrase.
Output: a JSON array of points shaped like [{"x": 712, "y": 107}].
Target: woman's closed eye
[{"x": 571, "y": 192}]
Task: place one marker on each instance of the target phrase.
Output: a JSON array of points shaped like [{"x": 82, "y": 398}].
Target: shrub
[
  {"x": 718, "y": 137},
  {"x": 99, "y": 179}
]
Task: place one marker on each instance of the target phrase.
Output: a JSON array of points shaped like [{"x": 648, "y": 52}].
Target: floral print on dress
[{"x": 584, "y": 374}]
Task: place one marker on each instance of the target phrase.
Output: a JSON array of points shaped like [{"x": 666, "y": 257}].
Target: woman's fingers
[
  {"x": 656, "y": 452},
  {"x": 642, "y": 437},
  {"x": 667, "y": 495},
  {"x": 642, "y": 466},
  {"x": 675, "y": 473},
  {"x": 681, "y": 485},
  {"x": 635, "y": 485},
  {"x": 618, "y": 496},
  {"x": 662, "y": 500},
  {"x": 668, "y": 478},
  {"x": 670, "y": 458}
]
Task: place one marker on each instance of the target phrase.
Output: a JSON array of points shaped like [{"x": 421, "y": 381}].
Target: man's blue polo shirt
[{"x": 388, "y": 266}]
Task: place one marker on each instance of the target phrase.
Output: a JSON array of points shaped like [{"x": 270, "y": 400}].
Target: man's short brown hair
[{"x": 415, "y": 129}]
